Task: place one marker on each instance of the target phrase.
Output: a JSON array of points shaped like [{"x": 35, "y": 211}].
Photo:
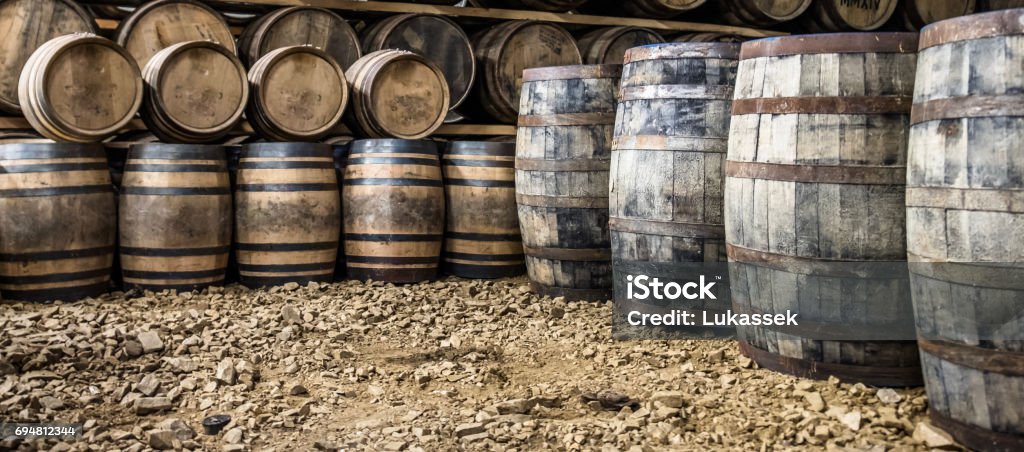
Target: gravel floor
[{"x": 456, "y": 364}]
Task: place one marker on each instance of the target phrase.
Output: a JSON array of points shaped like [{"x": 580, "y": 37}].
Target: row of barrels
[{"x": 176, "y": 215}]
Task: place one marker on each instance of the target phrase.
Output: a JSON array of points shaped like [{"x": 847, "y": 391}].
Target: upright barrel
[
  {"x": 846, "y": 15},
  {"x": 287, "y": 214},
  {"x": 563, "y": 152},
  {"x": 668, "y": 165},
  {"x": 815, "y": 214},
  {"x": 396, "y": 93},
  {"x": 300, "y": 26},
  {"x": 482, "y": 238},
  {"x": 160, "y": 24},
  {"x": 964, "y": 214},
  {"x": 175, "y": 217},
  {"x": 609, "y": 45},
  {"x": 394, "y": 210},
  {"x": 57, "y": 232}
]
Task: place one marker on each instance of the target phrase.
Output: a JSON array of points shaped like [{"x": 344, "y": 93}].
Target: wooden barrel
[
  {"x": 815, "y": 179},
  {"x": 668, "y": 167},
  {"x": 448, "y": 47},
  {"x": 66, "y": 103},
  {"x": 504, "y": 51},
  {"x": 27, "y": 25},
  {"x": 298, "y": 26},
  {"x": 964, "y": 214},
  {"x": 160, "y": 24},
  {"x": 563, "y": 150},
  {"x": 482, "y": 238},
  {"x": 394, "y": 210},
  {"x": 709, "y": 37},
  {"x": 992, "y": 5},
  {"x": 609, "y": 45},
  {"x": 298, "y": 94},
  {"x": 57, "y": 232},
  {"x": 658, "y": 9},
  {"x": 396, "y": 93},
  {"x": 175, "y": 217},
  {"x": 196, "y": 92},
  {"x": 761, "y": 13},
  {"x": 287, "y": 214},
  {"x": 852, "y": 15},
  {"x": 914, "y": 14}
]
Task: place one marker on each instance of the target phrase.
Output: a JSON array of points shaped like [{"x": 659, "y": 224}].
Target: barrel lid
[
  {"x": 287, "y": 150},
  {"x": 495, "y": 148},
  {"x": 393, "y": 145},
  {"x": 32, "y": 151},
  {"x": 576, "y": 71},
  {"x": 670, "y": 50},
  {"x": 167, "y": 151},
  {"x": 1005, "y": 22},
  {"x": 885, "y": 42}
]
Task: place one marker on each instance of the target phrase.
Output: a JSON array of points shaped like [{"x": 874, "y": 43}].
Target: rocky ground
[{"x": 470, "y": 365}]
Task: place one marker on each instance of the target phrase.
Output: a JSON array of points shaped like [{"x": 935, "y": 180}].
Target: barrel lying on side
[
  {"x": 57, "y": 233},
  {"x": 844, "y": 15},
  {"x": 394, "y": 210},
  {"x": 915, "y": 14},
  {"x": 300, "y": 26},
  {"x": 482, "y": 238},
  {"x": 175, "y": 217},
  {"x": 562, "y": 160},
  {"x": 160, "y": 24},
  {"x": 609, "y": 45},
  {"x": 761, "y": 13},
  {"x": 658, "y": 9},
  {"x": 396, "y": 93},
  {"x": 287, "y": 214}
]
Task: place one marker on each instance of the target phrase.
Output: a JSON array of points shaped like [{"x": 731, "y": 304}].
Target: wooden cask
[
  {"x": 287, "y": 214},
  {"x": 964, "y": 217},
  {"x": 80, "y": 88},
  {"x": 300, "y": 26},
  {"x": 563, "y": 151},
  {"x": 657, "y": 9},
  {"x": 175, "y": 217},
  {"x": 915, "y": 14},
  {"x": 762, "y": 13},
  {"x": 609, "y": 45},
  {"x": 27, "y": 25},
  {"x": 815, "y": 178},
  {"x": 196, "y": 92},
  {"x": 446, "y": 45},
  {"x": 668, "y": 167},
  {"x": 504, "y": 51},
  {"x": 482, "y": 238},
  {"x": 396, "y": 93},
  {"x": 160, "y": 24},
  {"x": 298, "y": 94},
  {"x": 393, "y": 210},
  {"x": 57, "y": 233},
  {"x": 848, "y": 15}
]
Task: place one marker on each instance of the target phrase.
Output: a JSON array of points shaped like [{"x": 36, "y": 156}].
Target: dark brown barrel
[
  {"x": 160, "y": 24},
  {"x": 175, "y": 217},
  {"x": 668, "y": 165},
  {"x": 482, "y": 238},
  {"x": 563, "y": 151},
  {"x": 504, "y": 51},
  {"x": 815, "y": 178},
  {"x": 762, "y": 13},
  {"x": 299, "y": 26},
  {"x": 396, "y": 93},
  {"x": 298, "y": 94},
  {"x": 394, "y": 210},
  {"x": 992, "y": 5},
  {"x": 609, "y": 45},
  {"x": 558, "y": 6},
  {"x": 196, "y": 92},
  {"x": 848, "y": 15},
  {"x": 658, "y": 9},
  {"x": 57, "y": 233},
  {"x": 80, "y": 88},
  {"x": 914, "y": 14},
  {"x": 27, "y": 25},
  {"x": 287, "y": 214},
  {"x": 448, "y": 47},
  {"x": 709, "y": 37},
  {"x": 964, "y": 213}
]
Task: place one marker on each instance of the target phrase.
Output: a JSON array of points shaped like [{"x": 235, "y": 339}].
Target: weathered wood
[
  {"x": 436, "y": 38},
  {"x": 26, "y": 25},
  {"x": 852, "y": 15},
  {"x": 80, "y": 88},
  {"x": 175, "y": 217},
  {"x": 298, "y": 26},
  {"x": 287, "y": 214},
  {"x": 504, "y": 51},
  {"x": 762, "y": 12},
  {"x": 196, "y": 92},
  {"x": 57, "y": 233},
  {"x": 396, "y": 93},
  {"x": 116, "y": 150},
  {"x": 915, "y": 14},
  {"x": 815, "y": 174},
  {"x": 658, "y": 9},
  {"x": 394, "y": 210},
  {"x": 964, "y": 216},
  {"x": 298, "y": 94},
  {"x": 482, "y": 238},
  {"x": 609, "y": 45},
  {"x": 160, "y": 24},
  {"x": 563, "y": 152}
]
